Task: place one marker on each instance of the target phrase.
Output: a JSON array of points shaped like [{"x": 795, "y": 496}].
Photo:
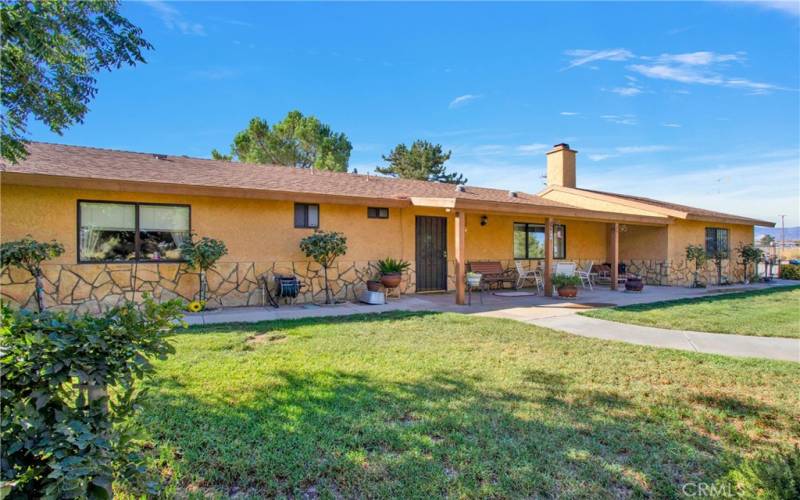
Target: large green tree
[
  {"x": 422, "y": 161},
  {"x": 51, "y": 50},
  {"x": 296, "y": 141}
]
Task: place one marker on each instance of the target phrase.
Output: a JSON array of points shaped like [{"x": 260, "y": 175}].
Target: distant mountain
[{"x": 792, "y": 233}]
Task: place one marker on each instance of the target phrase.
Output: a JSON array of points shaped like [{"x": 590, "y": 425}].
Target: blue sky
[{"x": 690, "y": 102}]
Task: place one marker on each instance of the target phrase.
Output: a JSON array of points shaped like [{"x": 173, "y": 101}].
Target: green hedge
[
  {"x": 790, "y": 272},
  {"x": 68, "y": 397}
]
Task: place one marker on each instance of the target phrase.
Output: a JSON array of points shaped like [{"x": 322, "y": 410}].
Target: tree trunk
[
  {"x": 327, "y": 290},
  {"x": 719, "y": 272},
  {"x": 203, "y": 286},
  {"x": 37, "y": 276}
]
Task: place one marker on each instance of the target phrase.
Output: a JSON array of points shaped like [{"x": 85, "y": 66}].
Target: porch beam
[
  {"x": 548, "y": 257},
  {"x": 614, "y": 250},
  {"x": 460, "y": 256}
]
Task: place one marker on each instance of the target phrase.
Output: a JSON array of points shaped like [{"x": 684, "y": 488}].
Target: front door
[{"x": 431, "y": 237}]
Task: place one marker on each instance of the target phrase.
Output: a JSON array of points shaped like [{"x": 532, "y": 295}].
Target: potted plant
[
  {"x": 634, "y": 284},
  {"x": 392, "y": 271},
  {"x": 374, "y": 285},
  {"x": 566, "y": 285}
]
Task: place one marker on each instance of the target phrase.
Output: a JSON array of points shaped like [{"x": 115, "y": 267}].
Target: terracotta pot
[
  {"x": 634, "y": 284},
  {"x": 374, "y": 285},
  {"x": 569, "y": 292},
  {"x": 391, "y": 280}
]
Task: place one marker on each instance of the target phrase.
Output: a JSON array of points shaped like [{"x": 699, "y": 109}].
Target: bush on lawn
[
  {"x": 68, "y": 397},
  {"x": 775, "y": 476},
  {"x": 790, "y": 272}
]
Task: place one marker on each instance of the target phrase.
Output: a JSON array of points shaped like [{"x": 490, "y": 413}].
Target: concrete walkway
[
  {"x": 713, "y": 343},
  {"x": 551, "y": 313}
]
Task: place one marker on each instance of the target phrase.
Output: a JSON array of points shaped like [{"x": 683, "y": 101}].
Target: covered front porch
[{"x": 559, "y": 236}]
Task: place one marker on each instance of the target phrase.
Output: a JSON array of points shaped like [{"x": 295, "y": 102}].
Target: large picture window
[
  {"x": 116, "y": 232},
  {"x": 716, "y": 241},
  {"x": 529, "y": 241}
]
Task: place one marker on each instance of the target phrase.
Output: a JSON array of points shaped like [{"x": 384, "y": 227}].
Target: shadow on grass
[
  {"x": 347, "y": 434},
  {"x": 712, "y": 299},
  {"x": 279, "y": 324}
]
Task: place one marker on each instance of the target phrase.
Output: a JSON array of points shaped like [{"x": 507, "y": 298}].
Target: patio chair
[
  {"x": 567, "y": 268},
  {"x": 539, "y": 280},
  {"x": 523, "y": 274},
  {"x": 585, "y": 275}
]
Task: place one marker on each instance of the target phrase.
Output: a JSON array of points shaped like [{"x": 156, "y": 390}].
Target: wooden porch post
[
  {"x": 614, "y": 249},
  {"x": 548, "y": 257},
  {"x": 460, "y": 257}
]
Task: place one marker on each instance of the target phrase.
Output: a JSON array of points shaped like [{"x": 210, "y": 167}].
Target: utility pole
[{"x": 783, "y": 237}]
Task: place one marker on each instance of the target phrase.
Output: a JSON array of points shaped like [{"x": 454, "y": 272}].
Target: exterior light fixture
[{"x": 484, "y": 220}]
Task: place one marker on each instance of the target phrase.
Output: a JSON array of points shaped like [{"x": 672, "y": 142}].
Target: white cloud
[
  {"x": 628, "y": 150},
  {"x": 532, "y": 148},
  {"x": 791, "y": 7},
  {"x": 583, "y": 56},
  {"x": 701, "y": 58},
  {"x": 629, "y": 91},
  {"x": 691, "y": 75},
  {"x": 601, "y": 157},
  {"x": 463, "y": 100},
  {"x": 569, "y": 113},
  {"x": 671, "y": 125},
  {"x": 626, "y": 119},
  {"x": 174, "y": 20}
]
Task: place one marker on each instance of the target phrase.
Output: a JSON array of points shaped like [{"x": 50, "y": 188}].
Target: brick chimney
[{"x": 561, "y": 166}]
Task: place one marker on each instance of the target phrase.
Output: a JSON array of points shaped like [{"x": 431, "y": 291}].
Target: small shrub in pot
[
  {"x": 566, "y": 285},
  {"x": 392, "y": 271}
]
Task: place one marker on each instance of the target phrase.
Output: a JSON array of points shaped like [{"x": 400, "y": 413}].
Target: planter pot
[
  {"x": 475, "y": 282},
  {"x": 391, "y": 280},
  {"x": 634, "y": 284},
  {"x": 374, "y": 285},
  {"x": 569, "y": 292}
]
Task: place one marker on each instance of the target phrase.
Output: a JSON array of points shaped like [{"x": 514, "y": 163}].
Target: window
[
  {"x": 306, "y": 215},
  {"x": 377, "y": 213},
  {"x": 716, "y": 241},
  {"x": 529, "y": 241},
  {"x": 119, "y": 232}
]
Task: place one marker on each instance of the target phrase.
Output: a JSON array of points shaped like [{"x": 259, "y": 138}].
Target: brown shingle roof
[
  {"x": 693, "y": 212},
  {"x": 105, "y": 164}
]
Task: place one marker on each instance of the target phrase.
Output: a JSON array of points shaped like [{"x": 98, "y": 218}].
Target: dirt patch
[{"x": 265, "y": 338}]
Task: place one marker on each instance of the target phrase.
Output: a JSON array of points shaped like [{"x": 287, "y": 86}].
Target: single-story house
[{"x": 121, "y": 216}]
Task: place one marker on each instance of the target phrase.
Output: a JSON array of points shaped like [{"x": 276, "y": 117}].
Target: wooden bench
[{"x": 492, "y": 273}]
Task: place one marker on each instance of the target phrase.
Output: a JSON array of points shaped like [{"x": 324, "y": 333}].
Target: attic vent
[
  {"x": 460, "y": 188},
  {"x": 513, "y": 194},
  {"x": 159, "y": 157}
]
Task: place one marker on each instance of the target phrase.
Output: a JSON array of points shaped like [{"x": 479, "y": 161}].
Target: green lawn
[
  {"x": 417, "y": 405},
  {"x": 766, "y": 313}
]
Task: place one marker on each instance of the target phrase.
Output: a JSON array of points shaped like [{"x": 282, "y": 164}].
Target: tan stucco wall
[
  {"x": 261, "y": 239},
  {"x": 642, "y": 242},
  {"x": 683, "y": 233}
]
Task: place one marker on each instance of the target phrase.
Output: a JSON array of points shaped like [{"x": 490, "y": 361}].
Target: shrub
[
  {"x": 203, "y": 254},
  {"x": 790, "y": 272},
  {"x": 29, "y": 254},
  {"x": 774, "y": 476},
  {"x": 749, "y": 254},
  {"x": 562, "y": 280},
  {"x": 324, "y": 248},
  {"x": 696, "y": 254},
  {"x": 68, "y": 397},
  {"x": 392, "y": 266}
]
